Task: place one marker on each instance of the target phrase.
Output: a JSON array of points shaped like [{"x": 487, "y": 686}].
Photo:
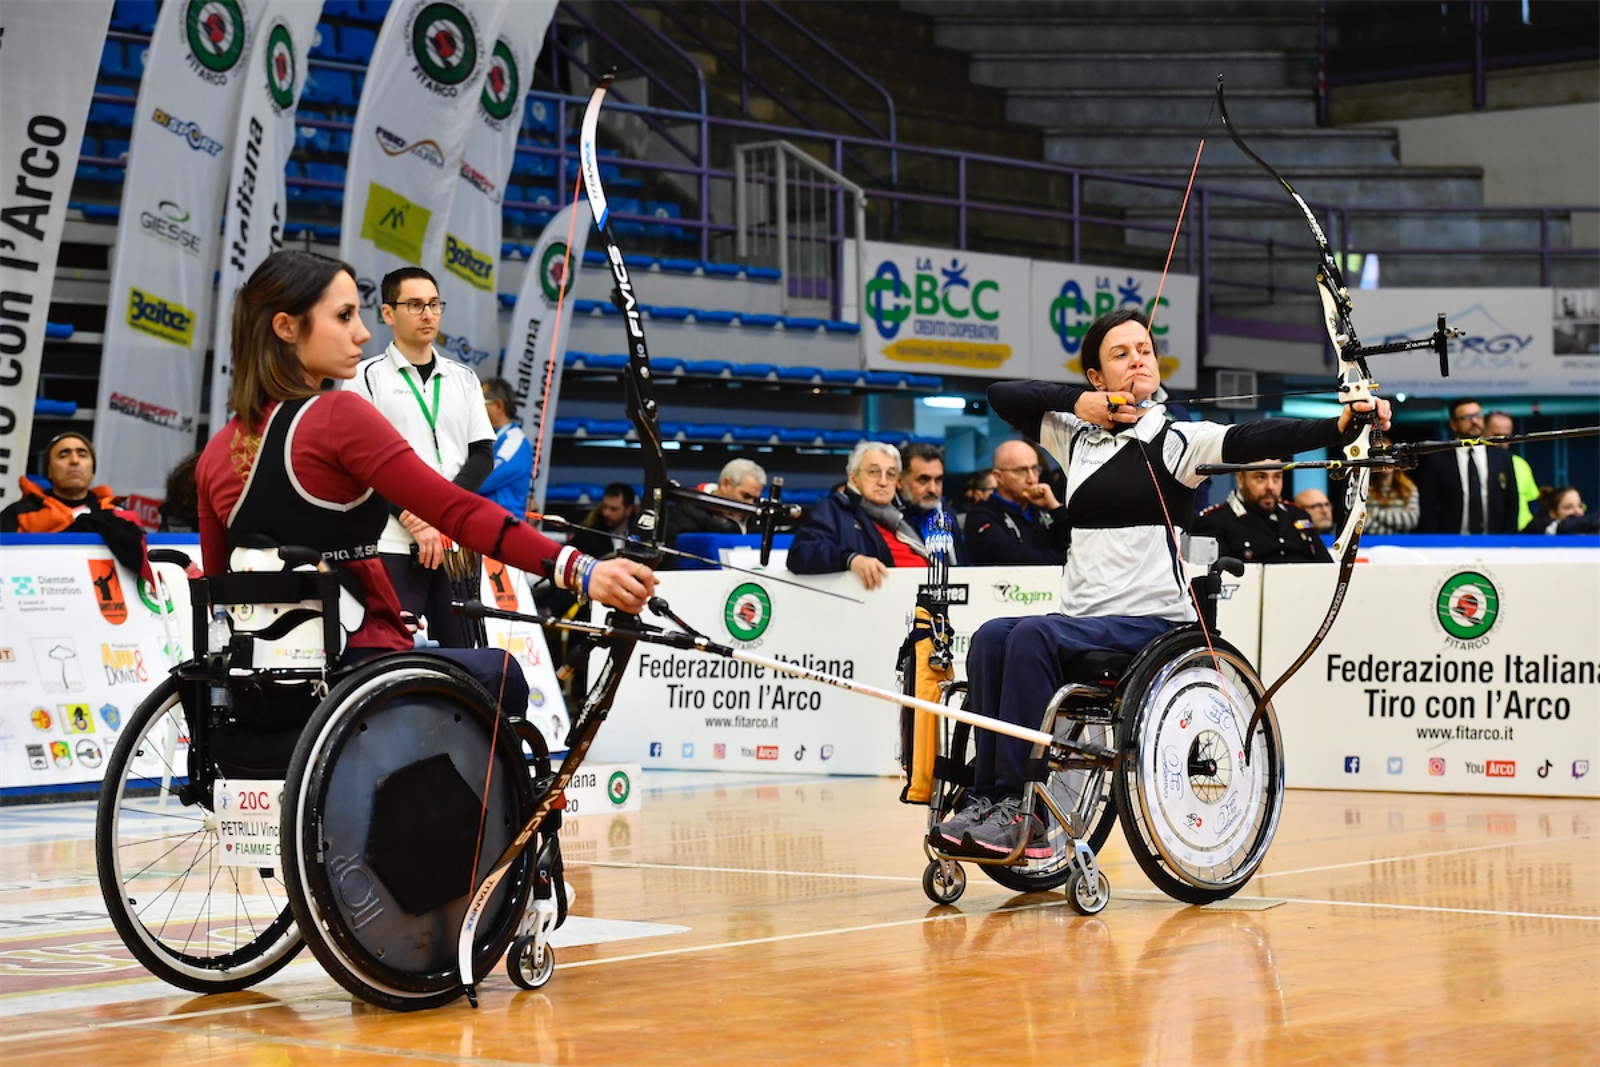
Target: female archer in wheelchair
[
  {"x": 398, "y": 774},
  {"x": 1130, "y": 479},
  {"x": 302, "y": 465}
]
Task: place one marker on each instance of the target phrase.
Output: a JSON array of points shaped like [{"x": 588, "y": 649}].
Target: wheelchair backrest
[{"x": 279, "y": 613}]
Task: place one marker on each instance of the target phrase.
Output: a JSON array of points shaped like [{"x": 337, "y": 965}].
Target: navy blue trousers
[{"x": 1014, "y": 668}]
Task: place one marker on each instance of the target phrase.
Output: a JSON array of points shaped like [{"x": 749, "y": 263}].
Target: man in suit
[{"x": 1468, "y": 490}]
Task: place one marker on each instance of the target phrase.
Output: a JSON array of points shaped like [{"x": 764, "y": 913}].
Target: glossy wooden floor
[{"x": 781, "y": 921}]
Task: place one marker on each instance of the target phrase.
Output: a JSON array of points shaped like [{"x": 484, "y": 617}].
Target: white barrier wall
[
  {"x": 1457, "y": 677},
  {"x": 686, "y": 709},
  {"x": 1461, "y": 674}
]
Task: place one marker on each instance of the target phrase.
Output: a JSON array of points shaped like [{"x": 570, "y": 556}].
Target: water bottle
[{"x": 220, "y": 632}]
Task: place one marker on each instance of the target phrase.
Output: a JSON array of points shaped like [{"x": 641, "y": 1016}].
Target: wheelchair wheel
[
  {"x": 1084, "y": 792},
  {"x": 1198, "y": 818},
  {"x": 529, "y": 967},
  {"x": 944, "y": 881},
  {"x": 381, "y": 829},
  {"x": 191, "y": 921}
]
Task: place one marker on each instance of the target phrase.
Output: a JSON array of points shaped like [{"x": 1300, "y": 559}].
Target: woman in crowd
[
  {"x": 1561, "y": 511},
  {"x": 300, "y": 464},
  {"x": 1393, "y": 506}
]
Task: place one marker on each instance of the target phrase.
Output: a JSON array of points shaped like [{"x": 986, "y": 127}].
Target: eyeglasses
[
  {"x": 417, "y": 307},
  {"x": 881, "y": 474},
  {"x": 1020, "y": 471},
  {"x": 1319, "y": 507}
]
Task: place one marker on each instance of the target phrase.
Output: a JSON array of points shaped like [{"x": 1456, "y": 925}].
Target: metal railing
[{"x": 789, "y": 213}]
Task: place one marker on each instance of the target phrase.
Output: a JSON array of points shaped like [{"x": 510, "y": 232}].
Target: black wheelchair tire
[
  {"x": 355, "y": 703},
  {"x": 159, "y": 879},
  {"x": 1157, "y": 809}
]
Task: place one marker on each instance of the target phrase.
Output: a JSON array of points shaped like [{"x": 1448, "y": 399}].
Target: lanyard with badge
[{"x": 431, "y": 416}]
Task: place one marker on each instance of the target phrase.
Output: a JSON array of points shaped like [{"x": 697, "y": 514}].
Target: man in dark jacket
[
  {"x": 1257, "y": 525},
  {"x": 1022, "y": 521},
  {"x": 858, "y": 528},
  {"x": 922, "y": 493},
  {"x": 69, "y": 466},
  {"x": 1469, "y": 490}
]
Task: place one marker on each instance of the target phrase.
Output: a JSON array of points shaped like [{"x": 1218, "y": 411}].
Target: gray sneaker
[
  {"x": 948, "y": 835},
  {"x": 997, "y": 833}
]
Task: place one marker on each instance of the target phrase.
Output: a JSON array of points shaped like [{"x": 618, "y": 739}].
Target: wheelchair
[
  {"x": 1156, "y": 738},
  {"x": 395, "y": 782}
]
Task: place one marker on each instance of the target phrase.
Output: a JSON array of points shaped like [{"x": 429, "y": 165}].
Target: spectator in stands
[
  {"x": 1499, "y": 424},
  {"x": 1392, "y": 503},
  {"x": 180, "y": 512},
  {"x": 1315, "y": 502},
  {"x": 859, "y": 529},
  {"x": 922, "y": 493},
  {"x": 742, "y": 480},
  {"x": 437, "y": 405},
  {"x": 69, "y": 468},
  {"x": 507, "y": 485},
  {"x": 978, "y": 487},
  {"x": 1022, "y": 521},
  {"x": 1467, "y": 490},
  {"x": 1256, "y": 525},
  {"x": 610, "y": 522},
  {"x": 1562, "y": 511}
]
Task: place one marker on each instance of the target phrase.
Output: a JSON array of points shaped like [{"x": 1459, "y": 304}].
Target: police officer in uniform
[{"x": 1257, "y": 525}]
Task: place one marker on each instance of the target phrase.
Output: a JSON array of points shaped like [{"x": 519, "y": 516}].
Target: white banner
[
  {"x": 534, "y": 356},
  {"x": 81, "y": 648},
  {"x": 164, "y": 265},
  {"x": 1509, "y": 348},
  {"x": 507, "y": 589},
  {"x": 410, "y": 134},
  {"x": 254, "y": 204},
  {"x": 1471, "y": 677},
  {"x": 49, "y": 54},
  {"x": 1068, "y": 297},
  {"x": 942, "y": 311},
  {"x": 468, "y": 272}
]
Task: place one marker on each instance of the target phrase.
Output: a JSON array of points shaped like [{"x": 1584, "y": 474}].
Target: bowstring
[{"x": 1155, "y": 482}]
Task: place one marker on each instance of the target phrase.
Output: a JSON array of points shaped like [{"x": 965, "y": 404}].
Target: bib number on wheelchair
[{"x": 246, "y": 810}]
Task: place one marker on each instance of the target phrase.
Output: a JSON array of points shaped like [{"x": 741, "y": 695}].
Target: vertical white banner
[
  {"x": 537, "y": 342},
  {"x": 275, "y": 72},
  {"x": 410, "y": 135},
  {"x": 468, "y": 271},
  {"x": 49, "y": 54},
  {"x": 163, "y": 269}
]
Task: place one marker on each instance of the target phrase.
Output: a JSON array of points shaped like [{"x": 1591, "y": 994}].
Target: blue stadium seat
[
  {"x": 355, "y": 44},
  {"x": 763, "y": 273},
  {"x": 672, "y": 431},
  {"x": 663, "y": 209},
  {"x": 507, "y": 300},
  {"x": 755, "y": 435},
  {"x": 884, "y": 379},
  {"x": 760, "y": 371},
  {"x": 751, "y": 318},
  {"x": 591, "y": 258},
  {"x": 842, "y": 377},
  {"x": 638, "y": 261},
  {"x": 533, "y": 164},
  {"x": 721, "y": 270},
  {"x": 711, "y": 317},
  {"x": 679, "y": 266},
  {"x": 609, "y": 362},
  {"x": 57, "y": 409},
  {"x": 704, "y": 368},
  {"x": 325, "y": 41},
  {"x": 566, "y": 427},
  {"x": 105, "y": 113},
  {"x": 712, "y": 431},
  {"x": 798, "y": 436},
  {"x": 134, "y": 16},
  {"x": 57, "y": 331},
  {"x": 835, "y": 326},
  {"x": 801, "y": 323},
  {"x": 669, "y": 314},
  {"x": 623, "y": 205},
  {"x": 540, "y": 114},
  {"x": 367, "y": 11},
  {"x": 100, "y": 212},
  {"x": 841, "y": 438},
  {"x": 799, "y": 374},
  {"x": 666, "y": 365},
  {"x": 925, "y": 381},
  {"x": 607, "y": 427}
]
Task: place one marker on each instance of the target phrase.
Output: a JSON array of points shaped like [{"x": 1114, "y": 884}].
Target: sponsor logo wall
[
  {"x": 993, "y": 316},
  {"x": 80, "y": 651}
]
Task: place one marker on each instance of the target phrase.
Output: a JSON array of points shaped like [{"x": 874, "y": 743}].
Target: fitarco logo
[
  {"x": 1466, "y": 605},
  {"x": 747, "y": 612},
  {"x": 501, "y": 83},
  {"x": 282, "y": 67},
  {"x": 444, "y": 43},
  {"x": 215, "y": 32}
]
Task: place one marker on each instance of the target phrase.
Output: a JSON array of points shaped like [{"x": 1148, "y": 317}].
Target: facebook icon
[
  {"x": 1352, "y": 765},
  {"x": 655, "y": 748}
]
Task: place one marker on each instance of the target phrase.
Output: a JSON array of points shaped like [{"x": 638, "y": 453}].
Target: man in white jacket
[{"x": 437, "y": 405}]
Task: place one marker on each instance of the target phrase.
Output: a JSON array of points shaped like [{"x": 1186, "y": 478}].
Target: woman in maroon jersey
[{"x": 301, "y": 464}]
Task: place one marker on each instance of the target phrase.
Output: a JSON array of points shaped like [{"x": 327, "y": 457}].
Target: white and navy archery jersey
[{"x": 1124, "y": 487}]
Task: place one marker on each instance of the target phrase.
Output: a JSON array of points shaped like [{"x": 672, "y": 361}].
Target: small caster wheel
[
  {"x": 528, "y": 968},
  {"x": 1086, "y": 897},
  {"x": 944, "y": 882}
]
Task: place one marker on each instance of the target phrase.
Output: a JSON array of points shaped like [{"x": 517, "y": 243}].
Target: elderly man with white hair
[{"x": 859, "y": 529}]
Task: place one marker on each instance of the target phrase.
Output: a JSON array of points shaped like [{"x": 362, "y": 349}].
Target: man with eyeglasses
[
  {"x": 437, "y": 404},
  {"x": 1315, "y": 502},
  {"x": 859, "y": 528},
  {"x": 1022, "y": 522},
  {"x": 1468, "y": 490}
]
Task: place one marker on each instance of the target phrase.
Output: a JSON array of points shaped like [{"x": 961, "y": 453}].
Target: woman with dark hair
[
  {"x": 303, "y": 464},
  {"x": 1130, "y": 475},
  {"x": 1393, "y": 503},
  {"x": 180, "y": 511},
  {"x": 1561, "y": 511}
]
